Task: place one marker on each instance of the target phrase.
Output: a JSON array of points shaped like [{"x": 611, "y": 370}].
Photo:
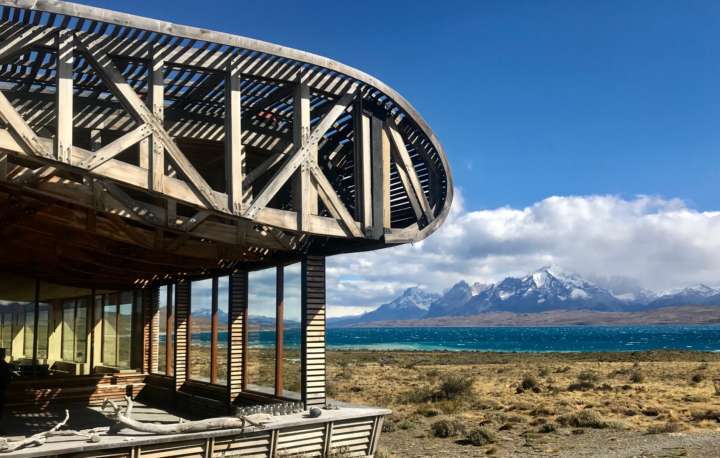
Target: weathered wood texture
[
  {"x": 130, "y": 116},
  {"x": 313, "y": 374},
  {"x": 182, "y": 331},
  {"x": 237, "y": 325}
]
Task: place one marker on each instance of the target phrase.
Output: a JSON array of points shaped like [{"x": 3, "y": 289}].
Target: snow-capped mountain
[
  {"x": 412, "y": 304},
  {"x": 542, "y": 290},
  {"x": 546, "y": 289},
  {"x": 694, "y": 295},
  {"x": 452, "y": 300}
]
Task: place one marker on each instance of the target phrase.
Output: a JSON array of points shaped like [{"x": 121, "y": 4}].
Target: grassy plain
[{"x": 572, "y": 404}]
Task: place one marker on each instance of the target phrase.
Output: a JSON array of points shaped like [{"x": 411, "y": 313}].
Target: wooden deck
[{"x": 353, "y": 431}]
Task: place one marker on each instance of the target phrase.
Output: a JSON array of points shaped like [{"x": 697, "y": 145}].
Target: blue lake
[{"x": 518, "y": 339}]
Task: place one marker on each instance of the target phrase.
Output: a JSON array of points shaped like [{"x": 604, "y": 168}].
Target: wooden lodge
[{"x": 150, "y": 171}]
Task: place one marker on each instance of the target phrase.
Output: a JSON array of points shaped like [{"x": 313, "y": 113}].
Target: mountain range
[{"x": 547, "y": 289}]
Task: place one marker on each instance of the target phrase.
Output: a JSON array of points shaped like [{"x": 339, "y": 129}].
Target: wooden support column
[
  {"x": 169, "y": 331},
  {"x": 156, "y": 101},
  {"x": 182, "y": 337},
  {"x": 3, "y": 166},
  {"x": 151, "y": 328},
  {"x": 313, "y": 331},
  {"x": 233, "y": 139},
  {"x": 363, "y": 167},
  {"x": 279, "y": 328},
  {"x": 64, "y": 96},
  {"x": 36, "y": 306},
  {"x": 237, "y": 325},
  {"x": 214, "y": 330},
  {"x": 305, "y": 194},
  {"x": 380, "y": 179}
]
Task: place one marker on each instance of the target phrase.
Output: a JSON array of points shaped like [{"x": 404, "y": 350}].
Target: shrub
[
  {"x": 406, "y": 424},
  {"x": 447, "y": 428},
  {"x": 547, "y": 428},
  {"x": 708, "y": 414},
  {"x": 455, "y": 386},
  {"x": 544, "y": 372},
  {"x": 581, "y": 386},
  {"x": 588, "y": 376},
  {"x": 697, "y": 378},
  {"x": 428, "y": 411},
  {"x": 669, "y": 427},
  {"x": 481, "y": 436},
  {"x": 528, "y": 382},
  {"x": 583, "y": 419},
  {"x": 636, "y": 376}
]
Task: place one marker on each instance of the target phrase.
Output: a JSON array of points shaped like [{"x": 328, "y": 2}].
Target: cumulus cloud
[{"x": 649, "y": 241}]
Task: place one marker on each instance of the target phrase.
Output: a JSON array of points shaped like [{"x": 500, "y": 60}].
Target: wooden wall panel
[
  {"x": 182, "y": 332},
  {"x": 237, "y": 333},
  {"x": 313, "y": 330},
  {"x": 151, "y": 329}
]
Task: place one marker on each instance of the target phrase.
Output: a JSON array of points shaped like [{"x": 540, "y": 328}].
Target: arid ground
[
  {"x": 660, "y": 403},
  {"x": 552, "y": 404}
]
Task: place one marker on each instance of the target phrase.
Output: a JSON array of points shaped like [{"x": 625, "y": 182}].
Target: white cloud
[{"x": 659, "y": 243}]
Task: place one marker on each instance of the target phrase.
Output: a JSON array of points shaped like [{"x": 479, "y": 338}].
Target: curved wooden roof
[{"x": 259, "y": 151}]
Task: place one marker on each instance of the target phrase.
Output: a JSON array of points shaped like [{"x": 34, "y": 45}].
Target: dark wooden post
[
  {"x": 169, "y": 331},
  {"x": 214, "y": 331},
  {"x": 150, "y": 328},
  {"x": 182, "y": 338},
  {"x": 313, "y": 330},
  {"x": 36, "y": 306},
  {"x": 279, "y": 328},
  {"x": 237, "y": 310}
]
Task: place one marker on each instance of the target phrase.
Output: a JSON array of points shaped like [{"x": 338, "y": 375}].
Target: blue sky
[
  {"x": 581, "y": 134},
  {"x": 529, "y": 98}
]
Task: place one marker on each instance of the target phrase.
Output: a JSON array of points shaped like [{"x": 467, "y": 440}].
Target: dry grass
[{"x": 514, "y": 397}]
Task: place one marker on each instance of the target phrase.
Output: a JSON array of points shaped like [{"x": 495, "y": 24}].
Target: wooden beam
[
  {"x": 114, "y": 79},
  {"x": 234, "y": 155},
  {"x": 304, "y": 193},
  {"x": 333, "y": 202},
  {"x": 64, "y": 96},
  {"x": 11, "y": 46},
  {"x": 409, "y": 178},
  {"x": 214, "y": 331},
  {"x": 380, "y": 179},
  {"x": 121, "y": 144},
  {"x": 156, "y": 102},
  {"x": 299, "y": 155},
  {"x": 363, "y": 167},
  {"x": 30, "y": 142}
]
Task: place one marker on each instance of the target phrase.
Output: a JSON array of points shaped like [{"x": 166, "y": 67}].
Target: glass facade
[
  {"x": 74, "y": 329},
  {"x": 201, "y": 296},
  {"x": 261, "y": 327}
]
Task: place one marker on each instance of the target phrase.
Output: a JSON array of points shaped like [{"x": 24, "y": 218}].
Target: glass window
[
  {"x": 291, "y": 336},
  {"x": 223, "y": 318},
  {"x": 162, "y": 329},
  {"x": 68, "y": 330},
  {"x": 109, "y": 331},
  {"x": 7, "y": 332},
  {"x": 29, "y": 334},
  {"x": 43, "y": 325},
  {"x": 200, "y": 330},
  {"x": 124, "y": 330},
  {"x": 81, "y": 316},
  {"x": 261, "y": 328}
]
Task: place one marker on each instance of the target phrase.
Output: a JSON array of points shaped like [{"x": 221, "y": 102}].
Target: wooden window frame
[{"x": 214, "y": 329}]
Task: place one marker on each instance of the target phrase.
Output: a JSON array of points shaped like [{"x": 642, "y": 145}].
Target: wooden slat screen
[
  {"x": 236, "y": 327},
  {"x": 313, "y": 330},
  {"x": 182, "y": 313},
  {"x": 151, "y": 329}
]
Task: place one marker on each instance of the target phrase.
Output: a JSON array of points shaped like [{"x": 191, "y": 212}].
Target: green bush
[
  {"x": 447, "y": 428},
  {"x": 588, "y": 376}
]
